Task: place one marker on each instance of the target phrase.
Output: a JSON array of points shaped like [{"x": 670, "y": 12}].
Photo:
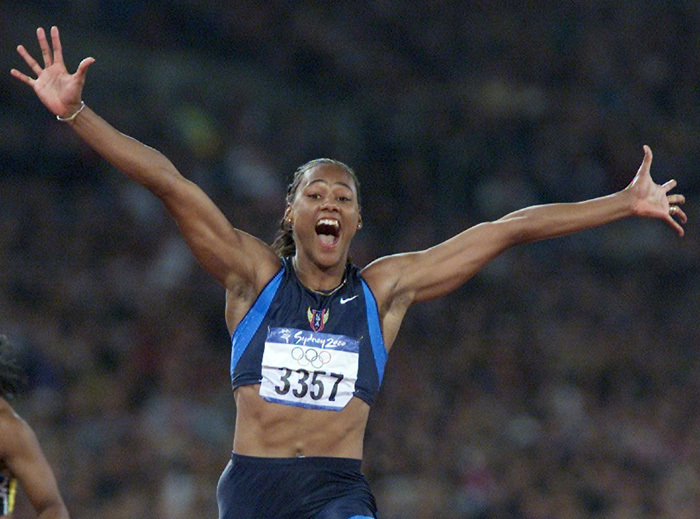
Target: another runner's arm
[{"x": 24, "y": 458}]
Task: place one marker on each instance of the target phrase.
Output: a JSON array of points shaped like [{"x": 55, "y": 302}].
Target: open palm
[
  {"x": 58, "y": 90},
  {"x": 652, "y": 200}
]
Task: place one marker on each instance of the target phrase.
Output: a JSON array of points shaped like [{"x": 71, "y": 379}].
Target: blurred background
[{"x": 561, "y": 382}]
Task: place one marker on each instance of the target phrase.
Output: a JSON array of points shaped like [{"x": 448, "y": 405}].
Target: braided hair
[
  {"x": 10, "y": 371},
  {"x": 284, "y": 244}
]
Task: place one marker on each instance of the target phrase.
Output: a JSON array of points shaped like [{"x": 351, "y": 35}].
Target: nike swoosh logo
[{"x": 344, "y": 300}]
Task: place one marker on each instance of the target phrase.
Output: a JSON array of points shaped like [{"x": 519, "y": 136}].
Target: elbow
[
  {"x": 168, "y": 182},
  {"x": 515, "y": 230}
]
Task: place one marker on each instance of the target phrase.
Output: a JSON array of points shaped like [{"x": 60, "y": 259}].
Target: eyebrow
[{"x": 344, "y": 184}]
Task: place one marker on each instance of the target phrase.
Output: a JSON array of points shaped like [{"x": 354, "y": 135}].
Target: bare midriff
[{"x": 273, "y": 430}]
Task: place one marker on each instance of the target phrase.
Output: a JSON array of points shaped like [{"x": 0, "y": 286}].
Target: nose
[{"x": 329, "y": 204}]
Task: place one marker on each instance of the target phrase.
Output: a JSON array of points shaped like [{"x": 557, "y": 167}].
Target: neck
[{"x": 317, "y": 278}]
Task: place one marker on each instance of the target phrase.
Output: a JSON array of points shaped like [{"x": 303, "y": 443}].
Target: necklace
[
  {"x": 322, "y": 292},
  {"x": 328, "y": 292}
]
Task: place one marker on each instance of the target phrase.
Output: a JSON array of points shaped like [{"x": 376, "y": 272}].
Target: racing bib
[{"x": 309, "y": 369}]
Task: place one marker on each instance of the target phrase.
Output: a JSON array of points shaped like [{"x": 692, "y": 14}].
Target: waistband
[{"x": 324, "y": 462}]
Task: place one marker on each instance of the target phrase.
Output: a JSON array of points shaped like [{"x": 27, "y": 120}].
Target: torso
[
  {"x": 274, "y": 430},
  {"x": 305, "y": 368}
]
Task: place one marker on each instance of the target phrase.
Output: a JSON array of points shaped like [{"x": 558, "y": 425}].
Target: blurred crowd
[{"x": 561, "y": 382}]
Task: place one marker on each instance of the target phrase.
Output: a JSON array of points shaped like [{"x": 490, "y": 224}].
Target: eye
[
  {"x": 344, "y": 199},
  {"x": 314, "y": 196}
]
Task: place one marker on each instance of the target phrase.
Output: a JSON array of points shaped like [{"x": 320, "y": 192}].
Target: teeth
[
  {"x": 327, "y": 221},
  {"x": 328, "y": 229}
]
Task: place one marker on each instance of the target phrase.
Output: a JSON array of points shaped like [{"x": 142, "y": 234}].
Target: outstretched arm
[
  {"x": 404, "y": 279},
  {"x": 233, "y": 257}
]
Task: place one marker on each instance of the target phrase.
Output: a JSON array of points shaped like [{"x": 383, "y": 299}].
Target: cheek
[{"x": 298, "y": 212}]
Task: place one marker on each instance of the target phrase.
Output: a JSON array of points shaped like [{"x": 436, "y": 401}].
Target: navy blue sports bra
[{"x": 310, "y": 349}]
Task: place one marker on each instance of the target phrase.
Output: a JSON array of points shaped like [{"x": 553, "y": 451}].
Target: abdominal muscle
[{"x": 267, "y": 429}]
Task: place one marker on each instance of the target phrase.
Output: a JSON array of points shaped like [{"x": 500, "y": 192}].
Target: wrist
[
  {"x": 73, "y": 114},
  {"x": 628, "y": 201}
]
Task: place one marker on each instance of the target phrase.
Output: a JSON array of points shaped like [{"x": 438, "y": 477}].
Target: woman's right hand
[{"x": 60, "y": 91}]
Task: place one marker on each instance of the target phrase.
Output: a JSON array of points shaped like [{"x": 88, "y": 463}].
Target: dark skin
[
  {"x": 243, "y": 264},
  {"x": 21, "y": 454}
]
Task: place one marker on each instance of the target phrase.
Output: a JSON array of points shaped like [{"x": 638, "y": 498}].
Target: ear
[
  {"x": 288, "y": 215},
  {"x": 359, "y": 223}
]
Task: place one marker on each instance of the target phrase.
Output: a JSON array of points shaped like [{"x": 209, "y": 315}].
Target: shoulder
[
  {"x": 247, "y": 288},
  {"x": 385, "y": 277},
  {"x": 241, "y": 296},
  {"x": 8, "y": 416},
  {"x": 384, "y": 274},
  {"x": 13, "y": 429}
]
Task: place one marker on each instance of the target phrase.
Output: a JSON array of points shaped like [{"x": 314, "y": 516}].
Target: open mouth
[{"x": 328, "y": 231}]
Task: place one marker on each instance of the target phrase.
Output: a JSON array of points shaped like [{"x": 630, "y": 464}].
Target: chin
[{"x": 331, "y": 257}]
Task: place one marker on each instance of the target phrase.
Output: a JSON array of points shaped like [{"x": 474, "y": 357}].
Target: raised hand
[
  {"x": 652, "y": 200},
  {"x": 60, "y": 91}
]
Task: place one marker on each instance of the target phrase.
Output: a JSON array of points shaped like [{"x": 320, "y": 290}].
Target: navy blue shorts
[{"x": 294, "y": 488}]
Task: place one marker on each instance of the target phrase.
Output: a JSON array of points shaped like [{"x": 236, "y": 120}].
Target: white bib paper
[{"x": 309, "y": 369}]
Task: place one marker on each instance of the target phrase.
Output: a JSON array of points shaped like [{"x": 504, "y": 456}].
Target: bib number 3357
[{"x": 309, "y": 369}]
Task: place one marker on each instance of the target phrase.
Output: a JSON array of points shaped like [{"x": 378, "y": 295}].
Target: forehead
[{"x": 328, "y": 174}]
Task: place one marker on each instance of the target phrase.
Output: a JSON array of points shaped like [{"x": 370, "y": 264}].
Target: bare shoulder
[
  {"x": 250, "y": 262},
  {"x": 248, "y": 274},
  {"x": 383, "y": 276},
  {"x": 386, "y": 278},
  {"x": 8, "y": 416},
  {"x": 243, "y": 291},
  {"x": 13, "y": 429}
]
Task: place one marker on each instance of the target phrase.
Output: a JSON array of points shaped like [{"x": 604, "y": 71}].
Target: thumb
[
  {"x": 648, "y": 157},
  {"x": 83, "y": 67}
]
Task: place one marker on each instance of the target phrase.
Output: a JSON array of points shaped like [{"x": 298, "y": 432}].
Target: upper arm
[
  {"x": 26, "y": 461},
  {"x": 437, "y": 271},
  {"x": 230, "y": 255},
  {"x": 401, "y": 280},
  {"x": 441, "y": 269}
]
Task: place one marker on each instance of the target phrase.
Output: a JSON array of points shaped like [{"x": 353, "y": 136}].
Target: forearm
[
  {"x": 551, "y": 220},
  {"x": 141, "y": 163}
]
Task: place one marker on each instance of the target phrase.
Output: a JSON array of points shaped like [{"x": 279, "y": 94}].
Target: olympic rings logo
[{"x": 311, "y": 357}]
